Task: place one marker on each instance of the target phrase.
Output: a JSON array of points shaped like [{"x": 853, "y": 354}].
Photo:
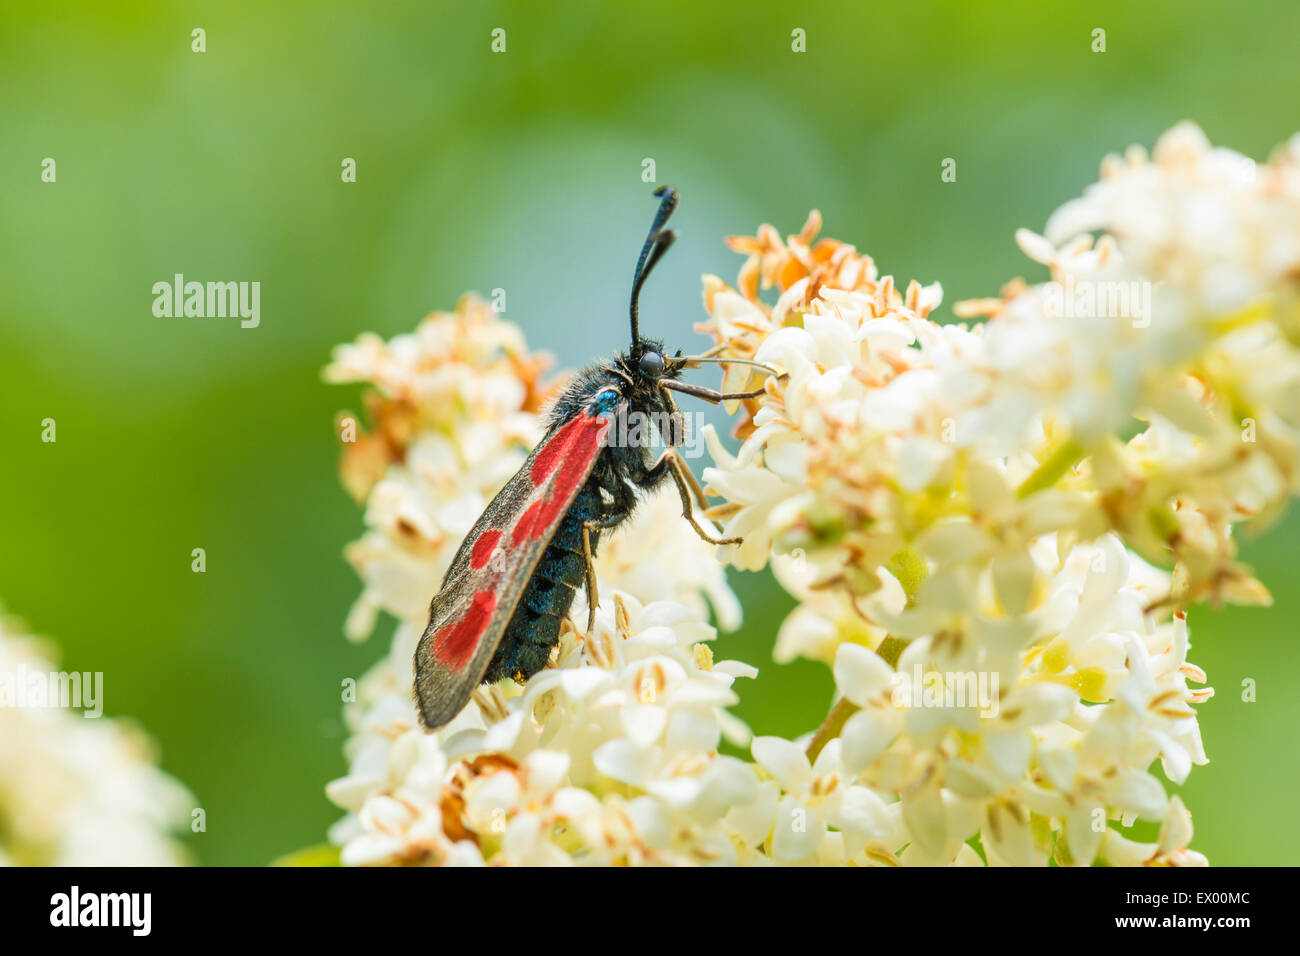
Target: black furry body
[
  {"x": 608, "y": 498},
  {"x": 534, "y": 628}
]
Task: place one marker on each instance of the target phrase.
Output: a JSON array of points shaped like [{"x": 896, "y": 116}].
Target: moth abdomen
[{"x": 534, "y": 628}]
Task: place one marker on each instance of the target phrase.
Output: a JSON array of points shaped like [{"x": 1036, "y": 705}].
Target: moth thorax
[{"x": 647, "y": 428}]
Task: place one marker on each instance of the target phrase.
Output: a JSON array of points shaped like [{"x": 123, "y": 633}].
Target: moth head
[{"x": 649, "y": 362}]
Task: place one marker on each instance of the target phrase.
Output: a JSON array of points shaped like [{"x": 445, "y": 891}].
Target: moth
[{"x": 509, "y": 588}]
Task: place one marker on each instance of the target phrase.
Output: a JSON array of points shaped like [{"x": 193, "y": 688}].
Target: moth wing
[{"x": 469, "y": 614}]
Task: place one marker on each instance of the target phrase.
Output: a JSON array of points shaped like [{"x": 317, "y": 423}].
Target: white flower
[
  {"x": 813, "y": 813},
  {"x": 1169, "y": 850},
  {"x": 78, "y": 791}
]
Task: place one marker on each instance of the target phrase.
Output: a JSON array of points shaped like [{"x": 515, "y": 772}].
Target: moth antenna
[
  {"x": 666, "y": 206},
  {"x": 661, "y": 243},
  {"x": 657, "y": 241}
]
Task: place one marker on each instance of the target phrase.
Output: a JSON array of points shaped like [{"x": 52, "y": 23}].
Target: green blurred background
[{"x": 521, "y": 171}]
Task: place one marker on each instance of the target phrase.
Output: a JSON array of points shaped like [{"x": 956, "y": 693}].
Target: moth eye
[{"x": 651, "y": 364}]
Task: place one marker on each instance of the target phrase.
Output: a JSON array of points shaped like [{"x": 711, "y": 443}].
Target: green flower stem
[
  {"x": 909, "y": 566},
  {"x": 891, "y": 648},
  {"x": 831, "y": 726},
  {"x": 1051, "y": 469}
]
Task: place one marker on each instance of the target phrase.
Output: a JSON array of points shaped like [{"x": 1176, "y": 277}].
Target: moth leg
[
  {"x": 697, "y": 490},
  {"x": 615, "y": 513},
  {"x": 674, "y": 416},
  {"x": 711, "y": 394},
  {"x": 592, "y": 598},
  {"x": 675, "y": 467}
]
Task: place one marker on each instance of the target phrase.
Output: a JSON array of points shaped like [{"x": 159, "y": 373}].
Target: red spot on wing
[
  {"x": 529, "y": 526},
  {"x": 483, "y": 548},
  {"x": 572, "y": 437},
  {"x": 455, "y": 644},
  {"x": 567, "y": 457}
]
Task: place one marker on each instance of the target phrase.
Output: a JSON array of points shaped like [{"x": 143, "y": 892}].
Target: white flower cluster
[
  {"x": 78, "y": 791},
  {"x": 453, "y": 412},
  {"x": 611, "y": 755},
  {"x": 964, "y": 514},
  {"x": 1034, "y": 756},
  {"x": 953, "y": 503}
]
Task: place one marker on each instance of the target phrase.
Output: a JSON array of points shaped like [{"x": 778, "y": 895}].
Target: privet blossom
[
  {"x": 78, "y": 791},
  {"x": 953, "y": 507}
]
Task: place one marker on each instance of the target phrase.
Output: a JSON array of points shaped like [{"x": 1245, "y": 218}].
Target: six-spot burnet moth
[{"x": 511, "y": 584}]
